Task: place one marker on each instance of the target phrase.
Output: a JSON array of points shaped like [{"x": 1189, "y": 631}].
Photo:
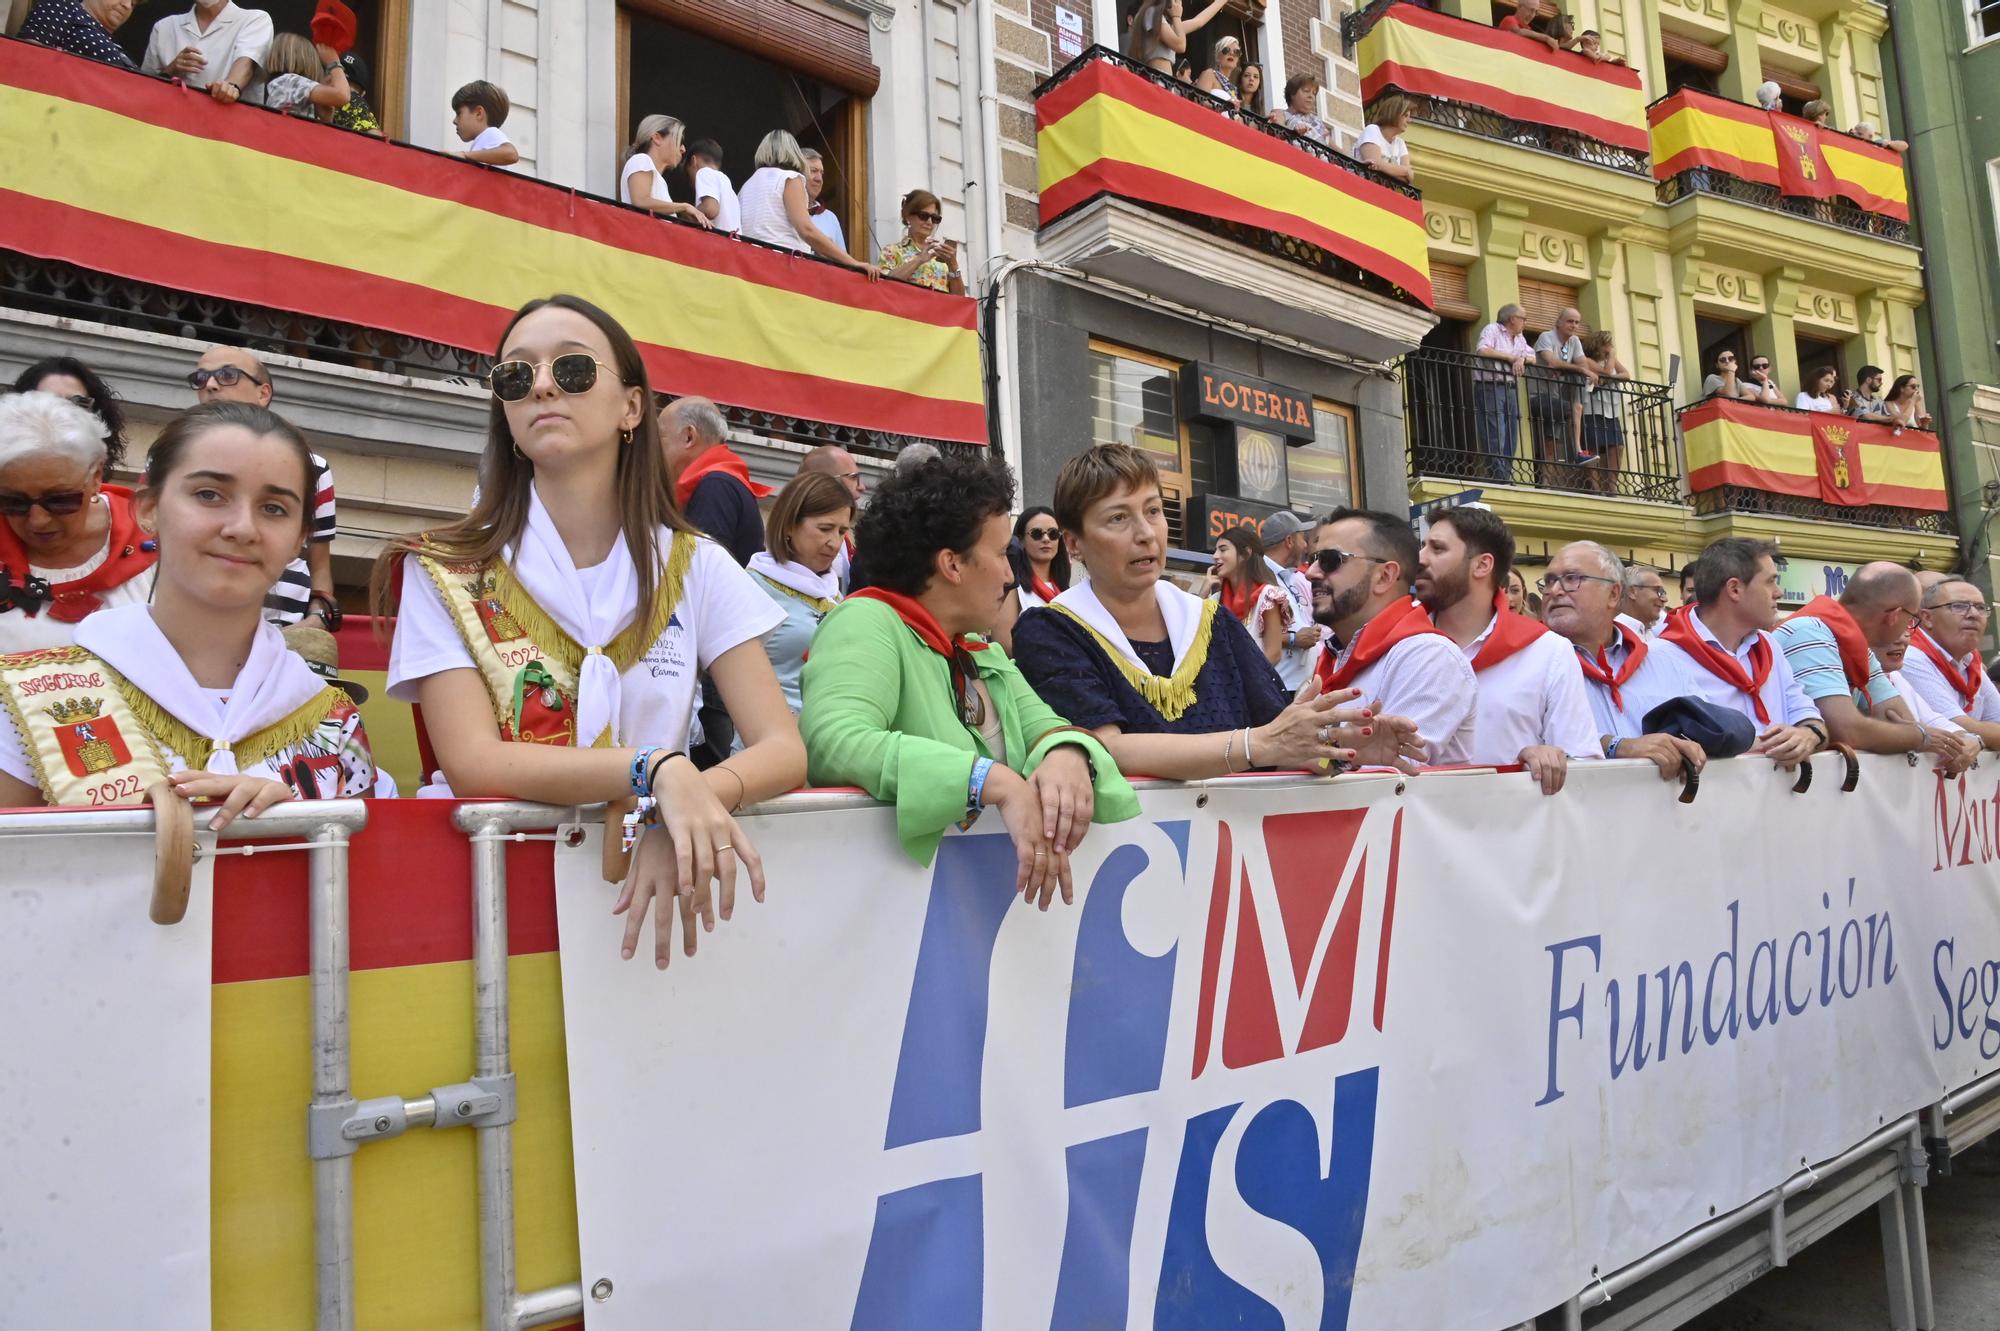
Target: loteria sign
[{"x": 1209, "y": 392}]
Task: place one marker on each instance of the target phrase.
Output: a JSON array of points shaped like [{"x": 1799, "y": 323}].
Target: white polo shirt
[
  {"x": 1924, "y": 677},
  {"x": 1533, "y": 697},
  {"x": 236, "y": 32},
  {"x": 1428, "y": 680},
  {"x": 1675, "y": 674}
]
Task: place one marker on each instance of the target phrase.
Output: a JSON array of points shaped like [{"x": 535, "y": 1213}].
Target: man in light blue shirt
[{"x": 1832, "y": 648}]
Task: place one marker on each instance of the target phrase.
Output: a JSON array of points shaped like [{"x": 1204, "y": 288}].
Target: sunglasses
[
  {"x": 1760, "y": 365},
  {"x": 228, "y": 376},
  {"x": 932, "y": 218},
  {"x": 58, "y": 505},
  {"x": 84, "y": 400},
  {"x": 576, "y": 372},
  {"x": 1043, "y": 533},
  {"x": 1329, "y": 561}
]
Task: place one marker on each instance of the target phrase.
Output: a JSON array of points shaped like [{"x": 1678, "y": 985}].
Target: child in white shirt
[{"x": 478, "y": 110}]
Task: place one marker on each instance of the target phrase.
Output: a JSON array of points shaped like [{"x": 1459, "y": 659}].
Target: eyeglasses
[
  {"x": 84, "y": 400},
  {"x": 226, "y": 375},
  {"x": 1642, "y": 590},
  {"x": 1978, "y": 608},
  {"x": 1725, "y": 360},
  {"x": 58, "y": 505},
  {"x": 512, "y": 380},
  {"x": 1043, "y": 533},
  {"x": 932, "y": 218},
  {"x": 1329, "y": 561},
  {"x": 1570, "y": 581}
]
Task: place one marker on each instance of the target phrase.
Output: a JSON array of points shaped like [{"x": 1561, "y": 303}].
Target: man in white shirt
[
  {"x": 822, "y": 216},
  {"x": 1644, "y": 604},
  {"x": 216, "y": 45},
  {"x": 713, "y": 193},
  {"x": 1580, "y": 592},
  {"x": 1383, "y": 643},
  {"x": 1532, "y": 707},
  {"x": 1892, "y": 658},
  {"x": 1284, "y": 550},
  {"x": 1723, "y": 652},
  {"x": 1943, "y": 664}
]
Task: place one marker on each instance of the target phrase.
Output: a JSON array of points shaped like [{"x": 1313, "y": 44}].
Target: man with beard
[
  {"x": 1580, "y": 596},
  {"x": 1945, "y": 665},
  {"x": 1532, "y": 707},
  {"x": 1383, "y": 642}
]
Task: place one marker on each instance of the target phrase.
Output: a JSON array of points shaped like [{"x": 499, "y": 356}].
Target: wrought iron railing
[
  {"x": 1834, "y": 212},
  {"x": 1742, "y": 499},
  {"x": 1490, "y": 124},
  {"x": 1470, "y": 418}
]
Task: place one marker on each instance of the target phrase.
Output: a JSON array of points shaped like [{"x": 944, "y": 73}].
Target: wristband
[
  {"x": 666, "y": 756},
  {"x": 636, "y": 819},
  {"x": 642, "y": 773},
  {"x": 1612, "y": 752},
  {"x": 1249, "y": 763},
  {"x": 1923, "y": 735},
  {"x": 973, "y": 789}
]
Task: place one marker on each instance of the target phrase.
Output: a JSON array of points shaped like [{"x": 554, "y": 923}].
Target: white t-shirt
[
  {"x": 829, "y": 226},
  {"x": 762, "y": 209},
  {"x": 1395, "y": 152},
  {"x": 233, "y": 34},
  {"x": 634, "y": 164},
  {"x": 1806, "y": 402},
  {"x": 710, "y": 183},
  {"x": 720, "y": 608},
  {"x": 490, "y": 138}
]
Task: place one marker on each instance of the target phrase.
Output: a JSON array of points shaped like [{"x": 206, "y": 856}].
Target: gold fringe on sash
[
  {"x": 1169, "y": 697},
  {"x": 625, "y": 649},
  {"x": 822, "y": 604},
  {"x": 195, "y": 749}
]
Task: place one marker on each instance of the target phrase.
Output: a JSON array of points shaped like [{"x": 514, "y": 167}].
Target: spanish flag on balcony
[
  {"x": 155, "y": 183},
  {"x": 1107, "y": 130},
  {"x": 1437, "y": 55},
  {"x": 1811, "y": 454},
  {"x": 1692, "y": 129}
]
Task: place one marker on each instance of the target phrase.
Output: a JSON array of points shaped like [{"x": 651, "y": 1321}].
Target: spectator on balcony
[
  {"x": 1603, "y": 423},
  {"x": 713, "y": 194},
  {"x": 921, "y": 255},
  {"x": 1532, "y": 708},
  {"x": 1526, "y": 20},
  {"x": 1556, "y": 391},
  {"x": 478, "y": 110},
  {"x": 1248, "y": 589},
  {"x": 302, "y": 81},
  {"x": 1725, "y": 382},
  {"x": 81, "y": 27},
  {"x": 1944, "y": 669},
  {"x": 1906, "y": 403},
  {"x": 68, "y": 377},
  {"x": 1770, "y": 97},
  {"x": 1184, "y": 70},
  {"x": 69, "y": 545},
  {"x": 1822, "y": 391},
  {"x": 1868, "y": 130},
  {"x": 1250, "y": 95},
  {"x": 1159, "y": 33},
  {"x": 1764, "y": 379},
  {"x": 804, "y": 534},
  {"x": 656, "y": 149},
  {"x": 1643, "y": 607},
  {"x": 774, "y": 208},
  {"x": 1300, "y": 113},
  {"x": 1590, "y": 45},
  {"x": 1819, "y": 112},
  {"x": 1383, "y": 144},
  {"x": 712, "y": 484},
  {"x": 1219, "y": 79},
  {"x": 1867, "y": 403},
  {"x": 822, "y": 216},
  {"x": 305, "y": 589},
  {"x": 217, "y": 45},
  {"x": 358, "y": 115},
  {"x": 1495, "y": 392}
]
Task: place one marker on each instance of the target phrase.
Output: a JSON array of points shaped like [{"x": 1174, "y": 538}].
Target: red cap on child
[{"x": 335, "y": 25}]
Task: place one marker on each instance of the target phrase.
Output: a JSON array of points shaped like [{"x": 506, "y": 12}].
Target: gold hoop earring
[{"x": 624, "y": 438}]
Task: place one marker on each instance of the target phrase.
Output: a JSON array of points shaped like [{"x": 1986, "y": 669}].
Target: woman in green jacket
[{"x": 902, "y": 700}]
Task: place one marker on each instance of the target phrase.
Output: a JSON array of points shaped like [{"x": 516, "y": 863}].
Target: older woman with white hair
[
  {"x": 657, "y": 149},
  {"x": 775, "y": 208},
  {"x": 69, "y": 544}
]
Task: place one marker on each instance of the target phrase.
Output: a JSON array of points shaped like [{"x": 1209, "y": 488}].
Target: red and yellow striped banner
[
  {"x": 128, "y": 175},
  {"x": 1437, "y": 55},
  {"x": 1812, "y": 454},
  {"x": 1107, "y": 130},
  {"x": 410, "y": 1018},
  {"x": 1693, "y": 129}
]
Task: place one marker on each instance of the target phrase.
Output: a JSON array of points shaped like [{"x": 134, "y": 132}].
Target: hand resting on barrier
[
  {"x": 237, "y": 793},
  {"x": 696, "y": 843}
]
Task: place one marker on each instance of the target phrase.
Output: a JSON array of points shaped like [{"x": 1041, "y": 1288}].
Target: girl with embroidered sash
[
  {"x": 69, "y": 544},
  {"x": 902, "y": 700},
  {"x": 554, "y": 637},
  {"x": 1249, "y": 590},
  {"x": 194, "y": 688},
  {"x": 1172, "y": 687},
  {"x": 803, "y": 537}
]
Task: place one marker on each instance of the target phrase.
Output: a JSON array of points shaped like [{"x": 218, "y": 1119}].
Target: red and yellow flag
[
  {"x": 1437, "y": 55},
  {"x": 1812, "y": 454},
  {"x": 149, "y": 181},
  {"x": 1107, "y": 130},
  {"x": 1693, "y": 129}
]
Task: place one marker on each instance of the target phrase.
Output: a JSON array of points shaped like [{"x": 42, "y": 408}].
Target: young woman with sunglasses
[
  {"x": 69, "y": 544},
  {"x": 554, "y": 638},
  {"x": 1041, "y": 569},
  {"x": 920, "y": 256},
  {"x": 193, "y": 688}
]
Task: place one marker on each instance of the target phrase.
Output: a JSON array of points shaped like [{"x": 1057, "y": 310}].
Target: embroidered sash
[
  {"x": 820, "y": 605},
  {"x": 1169, "y": 697}
]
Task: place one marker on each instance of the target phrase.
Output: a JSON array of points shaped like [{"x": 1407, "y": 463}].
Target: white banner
[
  {"x": 1306, "y": 1055},
  {"x": 104, "y": 1089}
]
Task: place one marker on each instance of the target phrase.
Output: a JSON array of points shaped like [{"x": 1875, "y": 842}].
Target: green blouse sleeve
[
  {"x": 861, "y": 731},
  {"x": 1041, "y": 728}
]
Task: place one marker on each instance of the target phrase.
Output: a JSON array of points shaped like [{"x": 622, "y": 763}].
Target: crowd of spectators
[{"x": 1901, "y": 407}]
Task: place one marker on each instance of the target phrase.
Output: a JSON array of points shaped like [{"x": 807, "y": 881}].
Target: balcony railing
[
  {"x": 1470, "y": 419},
  {"x": 1106, "y": 126},
  {"x": 1499, "y": 85},
  {"x": 1704, "y": 144}
]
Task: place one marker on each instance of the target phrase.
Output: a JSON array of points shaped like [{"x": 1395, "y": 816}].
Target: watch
[{"x": 327, "y": 609}]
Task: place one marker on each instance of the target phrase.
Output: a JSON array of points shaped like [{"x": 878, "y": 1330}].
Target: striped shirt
[
  {"x": 1815, "y": 659},
  {"x": 286, "y": 602}
]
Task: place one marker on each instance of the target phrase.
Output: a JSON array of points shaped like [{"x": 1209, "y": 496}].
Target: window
[
  {"x": 1691, "y": 64},
  {"x": 1324, "y": 473},
  {"x": 1817, "y": 353},
  {"x": 1132, "y": 401},
  {"x": 1451, "y": 296},
  {"x": 1717, "y": 336},
  {"x": 1982, "y": 20},
  {"x": 383, "y": 40},
  {"x": 1237, "y": 19},
  {"x": 1544, "y": 302},
  {"x": 734, "y": 70}
]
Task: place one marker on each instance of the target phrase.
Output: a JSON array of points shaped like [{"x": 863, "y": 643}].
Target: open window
[
  {"x": 1818, "y": 353},
  {"x": 1717, "y": 336},
  {"x": 1691, "y": 64},
  {"x": 734, "y": 70}
]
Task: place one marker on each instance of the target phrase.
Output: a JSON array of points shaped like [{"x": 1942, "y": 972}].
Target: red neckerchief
[
  {"x": 1680, "y": 631},
  {"x": 1048, "y": 591},
  {"x": 1404, "y": 619},
  {"x": 1967, "y": 682},
  {"x": 132, "y": 552},
  {"x": 1233, "y": 601},
  {"x": 718, "y": 457},
  {"x": 815, "y": 208},
  {"x": 1855, "y": 658},
  {"x": 956, "y": 651},
  {"x": 1599, "y": 667},
  {"x": 1511, "y": 632}
]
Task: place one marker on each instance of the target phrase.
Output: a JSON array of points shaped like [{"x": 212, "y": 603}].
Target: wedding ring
[{"x": 1326, "y": 734}]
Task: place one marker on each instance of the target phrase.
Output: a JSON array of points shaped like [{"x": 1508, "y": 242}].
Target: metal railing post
[{"x": 333, "y": 1177}]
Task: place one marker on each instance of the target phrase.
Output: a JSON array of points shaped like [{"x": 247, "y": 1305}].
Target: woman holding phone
[{"x": 921, "y": 256}]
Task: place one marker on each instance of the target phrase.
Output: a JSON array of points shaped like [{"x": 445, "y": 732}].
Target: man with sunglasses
[
  {"x": 1945, "y": 668},
  {"x": 1758, "y": 383},
  {"x": 1532, "y": 707},
  {"x": 304, "y": 591},
  {"x": 1383, "y": 642}
]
